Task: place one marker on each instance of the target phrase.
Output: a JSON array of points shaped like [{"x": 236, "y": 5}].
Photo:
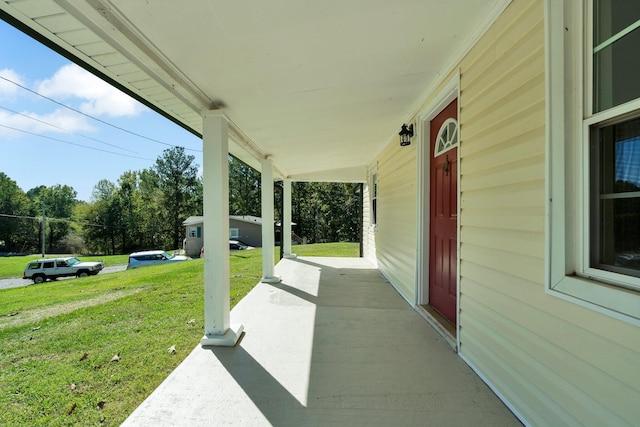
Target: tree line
[{"x": 145, "y": 209}]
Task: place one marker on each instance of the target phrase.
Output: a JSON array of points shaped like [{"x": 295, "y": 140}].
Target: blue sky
[{"x": 44, "y": 143}]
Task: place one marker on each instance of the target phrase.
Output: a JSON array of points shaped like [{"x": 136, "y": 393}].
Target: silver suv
[{"x": 53, "y": 268}]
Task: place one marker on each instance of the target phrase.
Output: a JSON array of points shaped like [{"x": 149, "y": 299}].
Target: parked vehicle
[
  {"x": 234, "y": 245},
  {"x": 144, "y": 258},
  {"x": 53, "y": 268}
]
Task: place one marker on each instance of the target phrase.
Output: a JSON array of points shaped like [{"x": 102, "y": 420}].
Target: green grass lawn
[
  {"x": 340, "y": 249},
  {"x": 59, "y": 341}
]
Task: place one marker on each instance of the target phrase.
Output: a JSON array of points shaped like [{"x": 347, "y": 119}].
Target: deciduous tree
[
  {"x": 177, "y": 178},
  {"x": 244, "y": 189},
  {"x": 59, "y": 201},
  {"x": 16, "y": 231}
]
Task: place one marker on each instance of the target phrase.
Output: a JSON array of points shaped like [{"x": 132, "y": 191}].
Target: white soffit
[{"x": 318, "y": 86}]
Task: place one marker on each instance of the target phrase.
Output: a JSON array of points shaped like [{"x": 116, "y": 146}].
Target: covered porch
[{"x": 332, "y": 344}]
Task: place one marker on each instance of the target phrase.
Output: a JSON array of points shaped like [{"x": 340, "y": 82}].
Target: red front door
[{"x": 443, "y": 230}]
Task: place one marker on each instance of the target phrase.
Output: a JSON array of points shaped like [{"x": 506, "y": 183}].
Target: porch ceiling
[{"x": 319, "y": 86}]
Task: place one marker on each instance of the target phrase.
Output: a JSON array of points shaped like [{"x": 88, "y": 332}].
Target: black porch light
[{"x": 405, "y": 135}]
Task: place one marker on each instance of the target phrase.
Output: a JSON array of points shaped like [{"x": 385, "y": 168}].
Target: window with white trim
[
  {"x": 195, "y": 231},
  {"x": 374, "y": 198},
  {"x": 234, "y": 233},
  {"x": 593, "y": 131}
]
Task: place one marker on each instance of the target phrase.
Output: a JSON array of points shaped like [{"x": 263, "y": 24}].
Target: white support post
[
  {"x": 268, "y": 238},
  {"x": 286, "y": 220},
  {"x": 215, "y": 158}
]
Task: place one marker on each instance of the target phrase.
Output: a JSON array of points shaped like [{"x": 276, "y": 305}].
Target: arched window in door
[{"x": 447, "y": 137}]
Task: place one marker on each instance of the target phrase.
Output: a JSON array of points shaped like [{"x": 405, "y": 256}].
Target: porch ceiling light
[{"x": 405, "y": 134}]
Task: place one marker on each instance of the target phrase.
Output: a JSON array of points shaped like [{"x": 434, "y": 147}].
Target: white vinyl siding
[
  {"x": 368, "y": 234},
  {"x": 396, "y": 228},
  {"x": 553, "y": 362}
]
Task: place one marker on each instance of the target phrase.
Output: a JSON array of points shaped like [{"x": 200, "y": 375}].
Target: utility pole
[{"x": 43, "y": 228}]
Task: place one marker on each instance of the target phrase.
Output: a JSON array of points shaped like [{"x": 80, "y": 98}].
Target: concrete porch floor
[{"x": 333, "y": 344}]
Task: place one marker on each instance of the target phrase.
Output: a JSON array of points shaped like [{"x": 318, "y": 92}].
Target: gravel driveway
[{"x": 18, "y": 281}]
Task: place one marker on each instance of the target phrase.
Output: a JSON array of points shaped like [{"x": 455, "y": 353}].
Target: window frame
[
  {"x": 374, "y": 197},
  {"x": 612, "y": 277},
  {"x": 568, "y": 66},
  {"x": 234, "y": 233},
  {"x": 437, "y": 151}
]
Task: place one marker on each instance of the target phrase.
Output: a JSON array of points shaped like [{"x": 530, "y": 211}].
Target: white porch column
[
  {"x": 268, "y": 238},
  {"x": 215, "y": 159},
  {"x": 286, "y": 220}
]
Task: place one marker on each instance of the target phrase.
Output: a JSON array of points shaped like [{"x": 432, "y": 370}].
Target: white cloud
[
  {"x": 99, "y": 97},
  {"x": 8, "y": 89},
  {"x": 63, "y": 121}
]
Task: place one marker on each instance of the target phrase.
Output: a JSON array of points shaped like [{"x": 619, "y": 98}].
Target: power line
[
  {"x": 36, "y": 217},
  {"x": 95, "y": 118},
  {"x": 20, "y": 216},
  {"x": 73, "y": 143},
  {"x": 69, "y": 220},
  {"x": 66, "y": 130}
]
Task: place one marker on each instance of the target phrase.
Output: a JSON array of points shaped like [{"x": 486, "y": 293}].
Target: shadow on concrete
[{"x": 372, "y": 361}]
